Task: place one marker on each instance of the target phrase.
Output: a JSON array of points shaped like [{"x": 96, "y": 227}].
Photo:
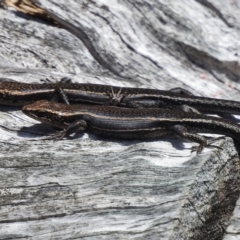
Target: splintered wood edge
[{"x": 212, "y": 197}]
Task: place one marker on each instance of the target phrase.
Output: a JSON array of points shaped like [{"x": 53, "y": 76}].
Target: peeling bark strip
[
  {"x": 90, "y": 188},
  {"x": 25, "y": 6},
  {"x": 29, "y": 8}
]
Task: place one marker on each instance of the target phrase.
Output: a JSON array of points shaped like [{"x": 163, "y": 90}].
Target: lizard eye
[
  {"x": 41, "y": 114},
  {"x": 57, "y": 117},
  {"x": 7, "y": 96}
]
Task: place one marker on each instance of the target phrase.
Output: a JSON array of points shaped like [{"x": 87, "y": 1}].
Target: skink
[
  {"x": 110, "y": 121},
  {"x": 19, "y": 94},
  {"x": 14, "y": 93}
]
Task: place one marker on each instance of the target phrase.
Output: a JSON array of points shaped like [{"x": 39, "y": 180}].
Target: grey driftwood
[{"x": 93, "y": 188}]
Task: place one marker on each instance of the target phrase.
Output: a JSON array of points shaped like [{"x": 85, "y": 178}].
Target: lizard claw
[{"x": 115, "y": 98}]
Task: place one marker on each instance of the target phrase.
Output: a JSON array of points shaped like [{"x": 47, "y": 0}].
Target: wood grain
[{"x": 93, "y": 188}]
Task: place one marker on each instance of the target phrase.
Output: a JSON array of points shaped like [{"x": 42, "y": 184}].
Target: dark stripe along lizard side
[{"x": 115, "y": 122}]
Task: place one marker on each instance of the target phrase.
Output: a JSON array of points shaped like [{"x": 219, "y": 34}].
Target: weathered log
[{"x": 94, "y": 188}]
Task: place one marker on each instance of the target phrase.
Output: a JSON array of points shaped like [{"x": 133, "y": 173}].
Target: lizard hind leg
[
  {"x": 187, "y": 134},
  {"x": 203, "y": 141}
]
